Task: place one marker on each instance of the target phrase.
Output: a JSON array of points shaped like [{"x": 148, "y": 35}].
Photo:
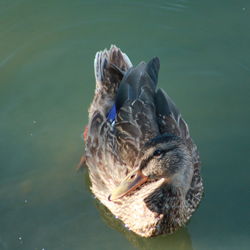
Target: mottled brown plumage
[{"x": 143, "y": 164}]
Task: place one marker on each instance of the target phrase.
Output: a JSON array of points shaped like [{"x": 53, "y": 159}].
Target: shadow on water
[{"x": 179, "y": 240}]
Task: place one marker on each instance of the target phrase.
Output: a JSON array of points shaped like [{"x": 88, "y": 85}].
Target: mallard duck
[{"x": 143, "y": 165}]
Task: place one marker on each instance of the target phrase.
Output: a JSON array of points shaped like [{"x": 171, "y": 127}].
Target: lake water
[{"x": 47, "y": 82}]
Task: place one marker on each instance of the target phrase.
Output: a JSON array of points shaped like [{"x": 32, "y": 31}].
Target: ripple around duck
[{"x": 9, "y": 57}]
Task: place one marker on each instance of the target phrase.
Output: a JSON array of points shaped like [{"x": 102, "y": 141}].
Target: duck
[{"x": 142, "y": 162}]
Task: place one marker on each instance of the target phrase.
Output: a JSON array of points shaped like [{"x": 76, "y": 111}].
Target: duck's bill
[{"x": 131, "y": 182}]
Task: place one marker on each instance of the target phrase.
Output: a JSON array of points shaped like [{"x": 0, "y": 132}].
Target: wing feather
[{"x": 171, "y": 121}]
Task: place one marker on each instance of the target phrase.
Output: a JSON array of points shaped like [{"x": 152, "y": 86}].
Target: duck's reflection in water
[{"x": 179, "y": 240}]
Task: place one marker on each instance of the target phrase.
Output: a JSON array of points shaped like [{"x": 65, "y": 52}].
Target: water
[{"x": 46, "y": 84}]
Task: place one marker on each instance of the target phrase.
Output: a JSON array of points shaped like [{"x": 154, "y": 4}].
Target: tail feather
[
  {"x": 104, "y": 64},
  {"x": 108, "y": 78}
]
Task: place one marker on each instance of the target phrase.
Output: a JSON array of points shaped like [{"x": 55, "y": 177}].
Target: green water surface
[{"x": 47, "y": 82}]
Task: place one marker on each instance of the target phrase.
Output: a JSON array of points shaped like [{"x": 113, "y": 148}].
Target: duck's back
[{"x": 135, "y": 122}]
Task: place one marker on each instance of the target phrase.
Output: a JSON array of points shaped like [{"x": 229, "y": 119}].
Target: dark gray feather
[{"x": 164, "y": 105}]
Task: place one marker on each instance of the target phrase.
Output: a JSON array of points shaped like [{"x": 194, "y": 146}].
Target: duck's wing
[
  {"x": 170, "y": 121},
  {"x": 136, "y": 120}
]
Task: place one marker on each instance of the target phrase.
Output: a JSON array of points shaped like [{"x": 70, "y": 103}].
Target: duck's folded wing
[
  {"x": 136, "y": 120},
  {"x": 170, "y": 121}
]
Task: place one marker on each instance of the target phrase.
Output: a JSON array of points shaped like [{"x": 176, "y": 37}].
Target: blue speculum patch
[{"x": 112, "y": 114}]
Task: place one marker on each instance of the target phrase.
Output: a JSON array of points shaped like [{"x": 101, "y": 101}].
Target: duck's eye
[{"x": 158, "y": 152}]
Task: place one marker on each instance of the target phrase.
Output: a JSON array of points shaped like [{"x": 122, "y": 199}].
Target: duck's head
[{"x": 164, "y": 157}]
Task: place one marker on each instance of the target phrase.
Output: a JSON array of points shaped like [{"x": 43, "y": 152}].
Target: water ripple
[{"x": 177, "y": 6}]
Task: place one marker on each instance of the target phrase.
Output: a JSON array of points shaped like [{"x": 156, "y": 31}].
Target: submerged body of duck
[{"x": 143, "y": 165}]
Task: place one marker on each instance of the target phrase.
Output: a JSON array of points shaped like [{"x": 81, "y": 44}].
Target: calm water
[{"x": 47, "y": 82}]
